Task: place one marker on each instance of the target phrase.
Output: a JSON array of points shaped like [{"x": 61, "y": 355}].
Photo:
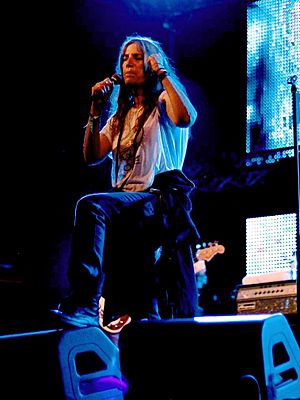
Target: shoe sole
[{"x": 115, "y": 326}]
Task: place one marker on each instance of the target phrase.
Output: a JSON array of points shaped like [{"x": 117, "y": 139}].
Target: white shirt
[{"x": 162, "y": 148}]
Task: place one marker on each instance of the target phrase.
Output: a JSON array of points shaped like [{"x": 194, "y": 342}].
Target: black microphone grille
[{"x": 116, "y": 78}]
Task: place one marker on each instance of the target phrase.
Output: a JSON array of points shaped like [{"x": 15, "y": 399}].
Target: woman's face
[{"x": 133, "y": 69}]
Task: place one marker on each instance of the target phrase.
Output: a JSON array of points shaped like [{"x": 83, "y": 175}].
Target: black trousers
[{"x": 112, "y": 253}]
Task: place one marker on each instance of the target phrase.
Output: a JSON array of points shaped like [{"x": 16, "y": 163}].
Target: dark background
[{"x": 53, "y": 54}]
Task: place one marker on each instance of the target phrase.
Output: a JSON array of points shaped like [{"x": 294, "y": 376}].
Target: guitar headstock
[{"x": 207, "y": 253}]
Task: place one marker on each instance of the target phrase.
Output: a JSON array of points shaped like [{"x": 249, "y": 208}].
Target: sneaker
[
  {"x": 82, "y": 317},
  {"x": 77, "y": 316},
  {"x": 115, "y": 326}
]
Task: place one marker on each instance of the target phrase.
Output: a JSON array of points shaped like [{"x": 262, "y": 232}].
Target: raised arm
[
  {"x": 178, "y": 106},
  {"x": 96, "y": 146}
]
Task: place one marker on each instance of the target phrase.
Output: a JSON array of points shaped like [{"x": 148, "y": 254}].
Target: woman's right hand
[{"x": 101, "y": 92}]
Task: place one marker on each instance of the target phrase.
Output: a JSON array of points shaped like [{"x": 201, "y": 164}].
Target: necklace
[{"x": 133, "y": 118}]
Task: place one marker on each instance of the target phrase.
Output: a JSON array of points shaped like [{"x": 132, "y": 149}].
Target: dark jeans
[{"x": 112, "y": 249}]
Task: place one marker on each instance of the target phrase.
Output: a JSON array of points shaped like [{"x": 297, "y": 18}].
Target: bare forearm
[
  {"x": 96, "y": 147},
  {"x": 178, "y": 106},
  {"x": 91, "y": 142}
]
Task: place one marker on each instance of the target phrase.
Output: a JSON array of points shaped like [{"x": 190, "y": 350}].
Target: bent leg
[{"x": 95, "y": 217}]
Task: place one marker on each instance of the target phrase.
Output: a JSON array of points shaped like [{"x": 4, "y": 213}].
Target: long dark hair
[{"x": 121, "y": 99}]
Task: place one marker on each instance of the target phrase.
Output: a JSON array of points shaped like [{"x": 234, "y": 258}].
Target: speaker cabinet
[
  {"x": 234, "y": 357},
  {"x": 59, "y": 364},
  {"x": 30, "y": 366},
  {"x": 90, "y": 365}
]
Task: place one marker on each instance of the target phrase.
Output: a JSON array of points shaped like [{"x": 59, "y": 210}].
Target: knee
[
  {"x": 88, "y": 205},
  {"x": 83, "y": 205}
]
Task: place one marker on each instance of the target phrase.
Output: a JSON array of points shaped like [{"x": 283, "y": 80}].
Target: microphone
[{"x": 115, "y": 78}]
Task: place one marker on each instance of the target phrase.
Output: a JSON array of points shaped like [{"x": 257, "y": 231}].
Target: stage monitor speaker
[
  {"x": 235, "y": 357},
  {"x": 30, "y": 366},
  {"x": 90, "y": 365},
  {"x": 57, "y": 364}
]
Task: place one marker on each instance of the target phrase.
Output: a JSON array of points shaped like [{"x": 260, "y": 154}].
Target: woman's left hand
[{"x": 155, "y": 62}]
